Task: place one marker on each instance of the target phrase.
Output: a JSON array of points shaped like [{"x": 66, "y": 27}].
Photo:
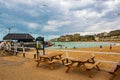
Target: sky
[{"x": 52, "y": 18}]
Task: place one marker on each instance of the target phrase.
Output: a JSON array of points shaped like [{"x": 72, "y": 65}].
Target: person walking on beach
[
  {"x": 110, "y": 47},
  {"x": 100, "y": 47}
]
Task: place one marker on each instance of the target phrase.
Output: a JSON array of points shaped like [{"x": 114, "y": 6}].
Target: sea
[{"x": 61, "y": 45}]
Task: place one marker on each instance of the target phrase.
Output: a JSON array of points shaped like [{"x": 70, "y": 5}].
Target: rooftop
[{"x": 17, "y": 36}]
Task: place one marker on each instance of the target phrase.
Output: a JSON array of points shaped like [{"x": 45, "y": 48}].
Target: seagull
[
  {"x": 85, "y": 17},
  {"x": 118, "y": 14},
  {"x": 44, "y": 5}
]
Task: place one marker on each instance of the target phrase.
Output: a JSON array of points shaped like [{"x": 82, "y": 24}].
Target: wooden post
[
  {"x": 43, "y": 47},
  {"x": 23, "y": 51},
  {"x": 15, "y": 49},
  {"x": 34, "y": 56},
  {"x": 37, "y": 52},
  {"x": 67, "y": 56},
  {"x": 93, "y": 55}
]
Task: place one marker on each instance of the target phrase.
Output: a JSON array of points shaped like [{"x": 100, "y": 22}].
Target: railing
[
  {"x": 92, "y": 53},
  {"x": 67, "y": 52}
]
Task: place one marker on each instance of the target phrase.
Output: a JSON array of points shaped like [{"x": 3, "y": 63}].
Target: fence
[{"x": 67, "y": 52}]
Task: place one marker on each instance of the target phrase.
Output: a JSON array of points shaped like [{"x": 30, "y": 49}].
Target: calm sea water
[{"x": 59, "y": 45}]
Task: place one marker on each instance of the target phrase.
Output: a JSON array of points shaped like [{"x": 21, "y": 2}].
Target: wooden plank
[
  {"x": 93, "y": 65},
  {"x": 112, "y": 70}
]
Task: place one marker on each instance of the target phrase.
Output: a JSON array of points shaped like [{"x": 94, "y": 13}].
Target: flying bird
[
  {"x": 118, "y": 14},
  {"x": 44, "y": 5}
]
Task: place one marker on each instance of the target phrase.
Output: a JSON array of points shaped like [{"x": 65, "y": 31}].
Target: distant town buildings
[
  {"x": 111, "y": 36},
  {"x": 104, "y": 36},
  {"x": 74, "y": 37}
]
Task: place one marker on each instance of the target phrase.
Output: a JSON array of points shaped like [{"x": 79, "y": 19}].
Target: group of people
[
  {"x": 101, "y": 48},
  {"x": 5, "y": 45}
]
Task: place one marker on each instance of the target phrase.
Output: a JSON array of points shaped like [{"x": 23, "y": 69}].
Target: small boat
[{"x": 48, "y": 44}]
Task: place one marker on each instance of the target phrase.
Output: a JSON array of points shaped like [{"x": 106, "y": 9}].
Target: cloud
[
  {"x": 60, "y": 16},
  {"x": 53, "y": 25},
  {"x": 104, "y": 26},
  {"x": 32, "y": 25},
  {"x": 112, "y": 4},
  {"x": 87, "y": 14},
  {"x": 49, "y": 28}
]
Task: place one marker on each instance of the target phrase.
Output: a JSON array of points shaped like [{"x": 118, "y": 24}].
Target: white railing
[
  {"x": 67, "y": 52},
  {"x": 92, "y": 53},
  {"x": 89, "y": 52}
]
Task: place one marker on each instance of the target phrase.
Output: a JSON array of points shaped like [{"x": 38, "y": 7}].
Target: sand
[{"x": 19, "y": 68}]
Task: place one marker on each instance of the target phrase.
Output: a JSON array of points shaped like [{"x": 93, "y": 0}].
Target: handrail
[{"x": 90, "y": 52}]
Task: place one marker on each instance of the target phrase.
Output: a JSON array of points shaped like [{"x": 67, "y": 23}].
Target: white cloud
[
  {"x": 82, "y": 3},
  {"x": 31, "y": 25},
  {"x": 87, "y": 14},
  {"x": 49, "y": 28},
  {"x": 112, "y": 4},
  {"x": 33, "y": 13},
  {"x": 104, "y": 26},
  {"x": 53, "y": 36},
  {"x": 53, "y": 25},
  {"x": 53, "y": 22},
  {"x": 81, "y": 33}
]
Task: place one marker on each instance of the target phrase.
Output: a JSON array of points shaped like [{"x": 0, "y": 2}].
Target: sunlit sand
[{"x": 19, "y": 68}]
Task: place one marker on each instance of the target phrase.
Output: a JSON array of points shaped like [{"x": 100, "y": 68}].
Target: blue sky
[{"x": 51, "y": 18}]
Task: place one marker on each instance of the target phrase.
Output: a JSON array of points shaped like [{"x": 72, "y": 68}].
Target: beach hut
[{"x": 19, "y": 37}]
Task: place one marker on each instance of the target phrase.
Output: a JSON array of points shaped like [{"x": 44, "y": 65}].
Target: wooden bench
[
  {"x": 57, "y": 60},
  {"x": 50, "y": 62},
  {"x": 67, "y": 64},
  {"x": 95, "y": 65},
  {"x": 89, "y": 68},
  {"x": 114, "y": 69}
]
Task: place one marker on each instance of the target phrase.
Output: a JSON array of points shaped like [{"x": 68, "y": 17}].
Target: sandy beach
[{"x": 19, "y": 68}]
